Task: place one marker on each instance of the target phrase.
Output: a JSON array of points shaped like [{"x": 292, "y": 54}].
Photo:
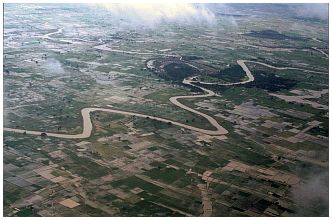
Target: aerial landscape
[{"x": 165, "y": 110}]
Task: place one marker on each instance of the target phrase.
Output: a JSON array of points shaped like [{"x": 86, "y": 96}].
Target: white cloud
[
  {"x": 320, "y": 11},
  {"x": 155, "y": 14}
]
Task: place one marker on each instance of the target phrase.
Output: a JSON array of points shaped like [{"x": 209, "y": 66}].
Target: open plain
[{"x": 211, "y": 110}]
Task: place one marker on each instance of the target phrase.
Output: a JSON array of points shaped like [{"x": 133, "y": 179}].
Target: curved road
[{"x": 87, "y": 124}]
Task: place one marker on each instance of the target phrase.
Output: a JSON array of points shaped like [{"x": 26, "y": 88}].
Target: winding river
[{"x": 219, "y": 130}]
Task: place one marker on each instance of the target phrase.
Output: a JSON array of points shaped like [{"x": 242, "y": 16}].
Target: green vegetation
[
  {"x": 12, "y": 193},
  {"x": 167, "y": 175},
  {"x": 231, "y": 178},
  {"x": 109, "y": 198},
  {"x": 177, "y": 71},
  {"x": 206, "y": 162},
  {"x": 270, "y": 82},
  {"x": 146, "y": 208},
  {"x": 183, "y": 181},
  {"x": 230, "y": 74},
  {"x": 91, "y": 211},
  {"x": 109, "y": 151},
  {"x": 218, "y": 188},
  {"x": 107, "y": 124},
  {"x": 83, "y": 166},
  {"x": 27, "y": 212},
  {"x": 297, "y": 56},
  {"x": 242, "y": 152},
  {"x": 48, "y": 81},
  {"x": 271, "y": 34},
  {"x": 133, "y": 182},
  {"x": 319, "y": 131},
  {"x": 239, "y": 95},
  {"x": 163, "y": 95},
  {"x": 187, "y": 204},
  {"x": 150, "y": 125}
]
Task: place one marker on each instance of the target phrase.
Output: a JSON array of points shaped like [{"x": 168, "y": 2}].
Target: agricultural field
[{"x": 153, "y": 110}]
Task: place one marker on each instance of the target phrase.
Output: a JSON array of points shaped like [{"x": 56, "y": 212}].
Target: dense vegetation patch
[
  {"x": 178, "y": 71},
  {"x": 85, "y": 167},
  {"x": 271, "y": 34},
  {"x": 231, "y": 74},
  {"x": 133, "y": 182},
  {"x": 323, "y": 131},
  {"x": 167, "y": 175},
  {"x": 146, "y": 208},
  {"x": 270, "y": 82}
]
